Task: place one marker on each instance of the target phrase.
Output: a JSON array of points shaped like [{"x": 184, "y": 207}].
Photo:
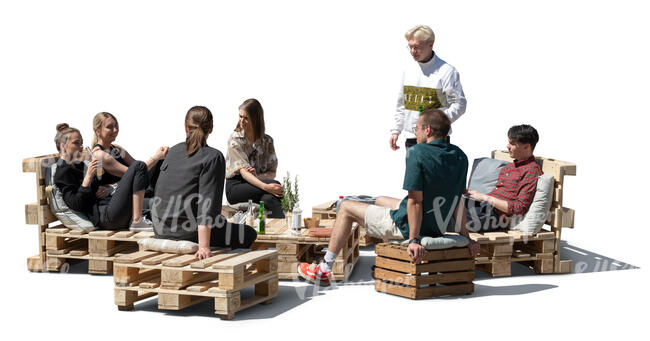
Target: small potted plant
[{"x": 289, "y": 196}]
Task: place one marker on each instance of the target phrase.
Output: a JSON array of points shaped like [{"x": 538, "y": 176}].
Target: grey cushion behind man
[
  {"x": 484, "y": 176},
  {"x": 485, "y": 173},
  {"x": 535, "y": 218},
  {"x": 70, "y": 219}
]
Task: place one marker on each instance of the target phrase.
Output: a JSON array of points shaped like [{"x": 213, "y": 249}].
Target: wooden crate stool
[
  {"x": 540, "y": 251},
  {"x": 442, "y": 273},
  {"x": 181, "y": 281}
]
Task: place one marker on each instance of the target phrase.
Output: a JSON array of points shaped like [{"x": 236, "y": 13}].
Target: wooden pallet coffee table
[{"x": 294, "y": 249}]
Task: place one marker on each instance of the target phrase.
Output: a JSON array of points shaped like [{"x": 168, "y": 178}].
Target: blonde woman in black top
[{"x": 115, "y": 160}]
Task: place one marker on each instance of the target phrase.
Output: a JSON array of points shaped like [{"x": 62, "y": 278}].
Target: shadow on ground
[{"x": 299, "y": 292}]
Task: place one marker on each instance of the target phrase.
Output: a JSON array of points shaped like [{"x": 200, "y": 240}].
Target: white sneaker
[{"x": 141, "y": 225}]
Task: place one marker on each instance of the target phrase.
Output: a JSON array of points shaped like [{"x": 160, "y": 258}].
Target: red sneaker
[{"x": 311, "y": 273}]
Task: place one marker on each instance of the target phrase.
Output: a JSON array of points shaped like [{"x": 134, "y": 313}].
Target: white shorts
[{"x": 380, "y": 225}]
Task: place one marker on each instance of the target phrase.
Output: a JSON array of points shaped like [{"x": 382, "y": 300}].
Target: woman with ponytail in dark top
[{"x": 187, "y": 201}]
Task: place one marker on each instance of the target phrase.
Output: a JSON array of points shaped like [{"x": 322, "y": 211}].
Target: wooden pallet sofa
[
  {"x": 540, "y": 251},
  {"x": 59, "y": 245}
]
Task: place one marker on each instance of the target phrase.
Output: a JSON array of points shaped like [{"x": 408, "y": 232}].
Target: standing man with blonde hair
[{"x": 429, "y": 83}]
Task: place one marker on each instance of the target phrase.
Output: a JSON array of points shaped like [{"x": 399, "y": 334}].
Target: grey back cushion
[
  {"x": 485, "y": 172},
  {"x": 535, "y": 218},
  {"x": 71, "y": 219}
]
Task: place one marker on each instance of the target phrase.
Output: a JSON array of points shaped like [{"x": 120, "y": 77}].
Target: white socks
[{"x": 328, "y": 262}]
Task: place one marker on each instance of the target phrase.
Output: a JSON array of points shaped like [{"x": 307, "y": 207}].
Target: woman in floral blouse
[{"x": 251, "y": 162}]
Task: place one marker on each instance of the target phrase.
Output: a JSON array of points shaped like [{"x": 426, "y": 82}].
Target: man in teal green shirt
[{"x": 435, "y": 177}]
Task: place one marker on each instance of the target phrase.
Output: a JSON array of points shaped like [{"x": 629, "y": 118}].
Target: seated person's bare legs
[
  {"x": 388, "y": 202},
  {"x": 349, "y": 212}
]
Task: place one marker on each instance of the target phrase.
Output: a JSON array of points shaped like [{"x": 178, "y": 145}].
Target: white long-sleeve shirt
[{"x": 434, "y": 84}]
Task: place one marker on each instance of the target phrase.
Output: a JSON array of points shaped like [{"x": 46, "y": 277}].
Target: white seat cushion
[{"x": 447, "y": 241}]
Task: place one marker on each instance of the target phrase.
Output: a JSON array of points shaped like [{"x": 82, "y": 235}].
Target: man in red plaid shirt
[{"x": 515, "y": 186}]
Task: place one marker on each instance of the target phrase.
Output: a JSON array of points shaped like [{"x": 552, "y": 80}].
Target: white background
[{"x": 327, "y": 76}]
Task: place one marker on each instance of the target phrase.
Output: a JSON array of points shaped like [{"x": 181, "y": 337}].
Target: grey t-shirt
[{"x": 188, "y": 192}]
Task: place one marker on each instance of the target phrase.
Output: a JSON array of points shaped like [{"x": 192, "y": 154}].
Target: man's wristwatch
[{"x": 415, "y": 240}]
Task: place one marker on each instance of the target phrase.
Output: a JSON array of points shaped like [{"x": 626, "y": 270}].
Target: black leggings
[
  {"x": 234, "y": 236},
  {"x": 118, "y": 212},
  {"x": 153, "y": 174},
  {"x": 239, "y": 190}
]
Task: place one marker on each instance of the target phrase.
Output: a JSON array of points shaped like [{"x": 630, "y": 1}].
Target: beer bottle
[{"x": 262, "y": 219}]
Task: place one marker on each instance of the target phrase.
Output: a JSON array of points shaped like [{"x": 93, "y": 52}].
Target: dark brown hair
[
  {"x": 438, "y": 121},
  {"x": 524, "y": 133},
  {"x": 199, "y": 125},
  {"x": 256, "y": 115},
  {"x": 63, "y": 131}
]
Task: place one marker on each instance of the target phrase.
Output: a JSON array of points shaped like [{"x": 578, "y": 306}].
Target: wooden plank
[
  {"x": 412, "y": 280},
  {"x": 31, "y": 214},
  {"x": 35, "y": 263},
  {"x": 324, "y": 208},
  {"x": 204, "y": 263},
  {"x": 446, "y": 266},
  {"x": 101, "y": 233},
  {"x": 443, "y": 266},
  {"x": 400, "y": 252},
  {"x": 566, "y": 266},
  {"x": 159, "y": 259},
  {"x": 428, "y": 292},
  {"x": 136, "y": 257},
  {"x": 100, "y": 267},
  {"x": 78, "y": 252},
  {"x": 561, "y": 217},
  {"x": 496, "y": 268},
  {"x": 30, "y": 165},
  {"x": 203, "y": 286},
  {"x": 144, "y": 234},
  {"x": 180, "y": 261},
  {"x": 58, "y": 230},
  {"x": 123, "y": 234},
  {"x": 179, "y": 279},
  {"x": 243, "y": 258},
  {"x": 149, "y": 285}
]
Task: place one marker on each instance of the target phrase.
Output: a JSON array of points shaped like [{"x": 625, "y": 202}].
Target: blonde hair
[
  {"x": 63, "y": 131},
  {"x": 199, "y": 125},
  {"x": 98, "y": 121},
  {"x": 422, "y": 33}
]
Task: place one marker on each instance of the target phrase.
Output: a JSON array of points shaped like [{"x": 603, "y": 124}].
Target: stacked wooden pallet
[
  {"x": 500, "y": 249},
  {"x": 293, "y": 249},
  {"x": 99, "y": 248},
  {"x": 442, "y": 272},
  {"x": 39, "y": 213},
  {"x": 180, "y": 281},
  {"x": 327, "y": 210},
  {"x": 59, "y": 245},
  {"x": 540, "y": 251}
]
